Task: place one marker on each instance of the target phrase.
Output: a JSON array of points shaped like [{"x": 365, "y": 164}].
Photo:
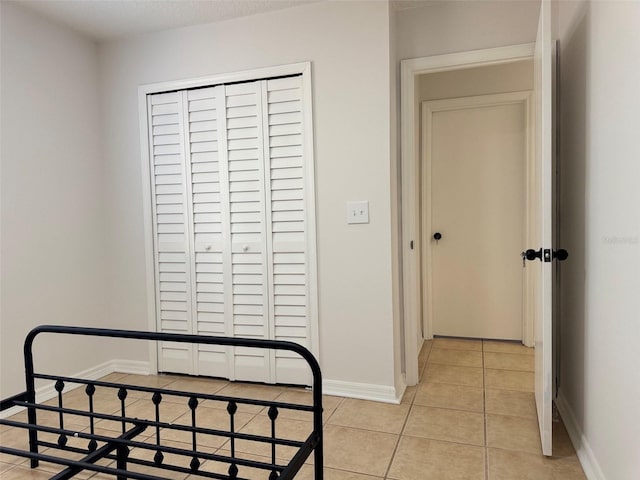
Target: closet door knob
[
  {"x": 207, "y": 248},
  {"x": 245, "y": 248}
]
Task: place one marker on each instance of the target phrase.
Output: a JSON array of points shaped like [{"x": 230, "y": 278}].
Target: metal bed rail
[{"x": 100, "y": 447}]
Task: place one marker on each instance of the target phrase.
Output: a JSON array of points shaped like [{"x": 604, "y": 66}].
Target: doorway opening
[
  {"x": 412, "y": 71},
  {"x": 475, "y": 166},
  {"x": 540, "y": 228}
]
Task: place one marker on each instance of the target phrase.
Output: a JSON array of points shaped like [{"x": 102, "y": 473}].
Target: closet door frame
[{"x": 144, "y": 91}]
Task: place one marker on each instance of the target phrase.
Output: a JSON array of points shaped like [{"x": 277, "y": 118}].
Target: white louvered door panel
[
  {"x": 173, "y": 285},
  {"x": 248, "y": 309},
  {"x": 209, "y": 218},
  {"x": 288, "y": 243}
]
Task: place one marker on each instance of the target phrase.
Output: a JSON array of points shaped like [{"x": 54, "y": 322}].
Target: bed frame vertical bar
[
  {"x": 122, "y": 454},
  {"x": 31, "y": 396},
  {"x": 317, "y": 420}
]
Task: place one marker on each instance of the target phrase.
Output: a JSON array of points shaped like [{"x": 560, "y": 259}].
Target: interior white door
[
  {"x": 476, "y": 155},
  {"x": 542, "y": 231}
]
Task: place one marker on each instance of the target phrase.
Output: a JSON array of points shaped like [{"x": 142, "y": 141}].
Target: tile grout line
[
  {"x": 424, "y": 368},
  {"x": 511, "y": 370},
  {"x": 484, "y": 414},
  {"x": 525, "y": 354},
  {"x": 404, "y": 424},
  {"x": 325, "y": 422},
  {"x": 395, "y": 448}
]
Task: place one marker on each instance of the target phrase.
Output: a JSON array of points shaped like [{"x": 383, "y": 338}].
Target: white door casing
[
  {"x": 475, "y": 158},
  {"x": 248, "y": 262}
]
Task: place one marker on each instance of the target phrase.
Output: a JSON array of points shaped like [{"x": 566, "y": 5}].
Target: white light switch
[{"x": 358, "y": 212}]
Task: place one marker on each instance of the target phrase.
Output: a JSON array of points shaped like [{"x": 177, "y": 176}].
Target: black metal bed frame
[{"x": 101, "y": 447}]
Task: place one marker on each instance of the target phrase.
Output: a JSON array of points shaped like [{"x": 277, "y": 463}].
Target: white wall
[
  {"x": 467, "y": 82},
  {"x": 348, "y": 45},
  {"x": 600, "y": 227},
  {"x": 52, "y": 216},
  {"x": 449, "y": 27}
]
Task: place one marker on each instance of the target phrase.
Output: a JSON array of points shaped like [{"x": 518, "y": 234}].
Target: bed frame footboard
[{"x": 89, "y": 450}]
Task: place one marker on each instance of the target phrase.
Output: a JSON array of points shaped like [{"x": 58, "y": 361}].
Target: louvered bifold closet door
[
  {"x": 209, "y": 219},
  {"x": 173, "y": 284},
  {"x": 233, "y": 226},
  {"x": 289, "y": 279},
  {"x": 248, "y": 301}
]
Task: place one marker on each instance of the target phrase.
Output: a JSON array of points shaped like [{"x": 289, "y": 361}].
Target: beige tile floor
[{"x": 472, "y": 416}]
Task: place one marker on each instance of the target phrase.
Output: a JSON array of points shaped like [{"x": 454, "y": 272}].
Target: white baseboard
[
  {"x": 131, "y": 366},
  {"x": 48, "y": 391},
  {"x": 586, "y": 456},
  {"x": 401, "y": 387},
  {"x": 362, "y": 391}
]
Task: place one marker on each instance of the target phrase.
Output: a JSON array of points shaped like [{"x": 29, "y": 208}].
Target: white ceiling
[{"x": 109, "y": 19}]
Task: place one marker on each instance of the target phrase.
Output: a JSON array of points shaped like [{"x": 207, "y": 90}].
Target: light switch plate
[{"x": 358, "y": 212}]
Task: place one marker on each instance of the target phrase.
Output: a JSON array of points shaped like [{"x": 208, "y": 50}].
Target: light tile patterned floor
[{"x": 471, "y": 417}]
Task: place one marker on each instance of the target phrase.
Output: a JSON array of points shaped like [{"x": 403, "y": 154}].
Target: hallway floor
[{"x": 471, "y": 417}]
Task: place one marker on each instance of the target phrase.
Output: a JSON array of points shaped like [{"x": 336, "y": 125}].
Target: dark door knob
[
  {"x": 561, "y": 254},
  {"x": 532, "y": 254},
  {"x": 437, "y": 236}
]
